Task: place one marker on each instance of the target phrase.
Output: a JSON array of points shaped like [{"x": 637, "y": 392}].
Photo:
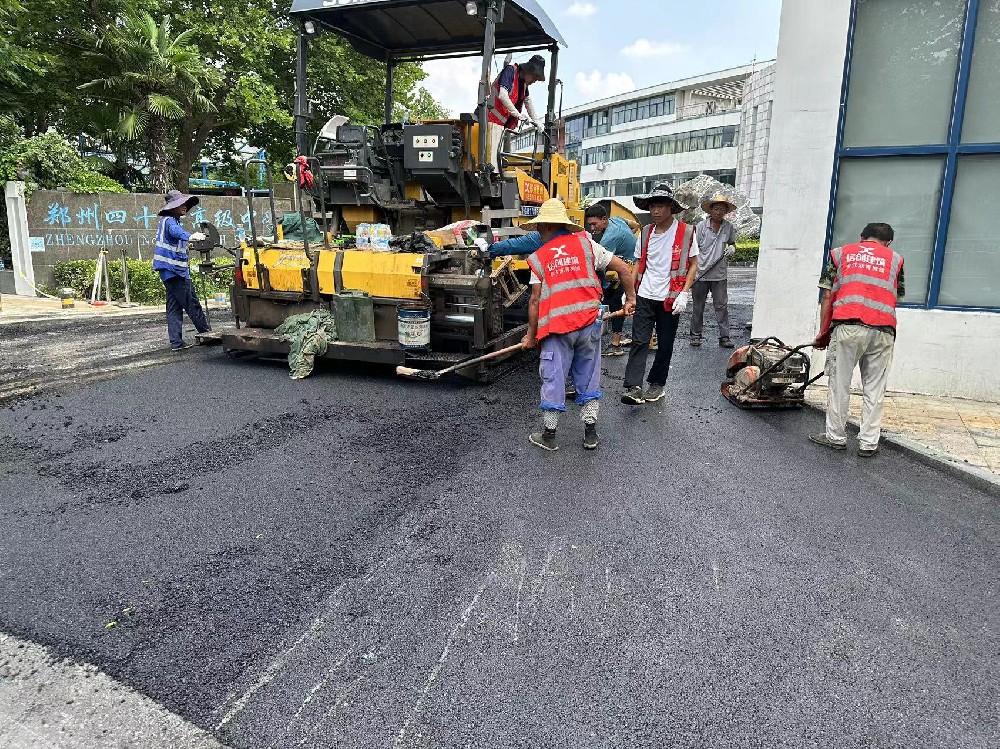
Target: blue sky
[{"x": 616, "y": 46}]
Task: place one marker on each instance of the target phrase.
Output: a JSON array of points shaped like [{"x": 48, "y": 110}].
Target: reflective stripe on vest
[
  {"x": 498, "y": 113},
  {"x": 683, "y": 240},
  {"x": 571, "y": 290},
  {"x": 866, "y": 285},
  {"x": 168, "y": 256}
]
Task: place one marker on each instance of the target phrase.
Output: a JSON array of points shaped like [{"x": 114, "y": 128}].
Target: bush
[
  {"x": 144, "y": 283},
  {"x": 49, "y": 161},
  {"x": 747, "y": 251}
]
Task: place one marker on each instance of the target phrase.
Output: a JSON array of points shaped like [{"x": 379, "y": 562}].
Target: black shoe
[
  {"x": 590, "y": 439},
  {"x": 182, "y": 347},
  {"x": 545, "y": 440},
  {"x": 726, "y": 343},
  {"x": 633, "y": 397},
  {"x": 821, "y": 439},
  {"x": 867, "y": 452},
  {"x": 571, "y": 392},
  {"x": 696, "y": 340},
  {"x": 654, "y": 393}
]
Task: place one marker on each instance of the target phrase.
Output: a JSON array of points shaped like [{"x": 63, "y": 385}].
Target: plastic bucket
[
  {"x": 66, "y": 295},
  {"x": 414, "y": 322}
]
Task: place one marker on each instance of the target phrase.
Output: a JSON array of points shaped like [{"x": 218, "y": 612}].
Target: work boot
[
  {"x": 633, "y": 397},
  {"x": 654, "y": 393},
  {"x": 725, "y": 342},
  {"x": 867, "y": 452},
  {"x": 545, "y": 440},
  {"x": 822, "y": 439},
  {"x": 590, "y": 439},
  {"x": 696, "y": 340}
]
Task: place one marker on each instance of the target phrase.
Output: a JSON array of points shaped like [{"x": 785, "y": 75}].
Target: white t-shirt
[
  {"x": 602, "y": 259},
  {"x": 656, "y": 280}
]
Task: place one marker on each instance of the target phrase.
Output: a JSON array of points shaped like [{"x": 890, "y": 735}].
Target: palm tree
[{"x": 154, "y": 79}]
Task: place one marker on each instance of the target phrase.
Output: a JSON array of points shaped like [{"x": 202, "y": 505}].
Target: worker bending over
[
  {"x": 170, "y": 258},
  {"x": 614, "y": 234},
  {"x": 668, "y": 264},
  {"x": 564, "y": 318},
  {"x": 511, "y": 104},
  {"x": 861, "y": 285}
]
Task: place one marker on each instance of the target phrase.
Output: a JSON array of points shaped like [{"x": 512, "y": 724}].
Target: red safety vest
[
  {"x": 571, "y": 289},
  {"x": 678, "y": 261},
  {"x": 865, "y": 289},
  {"x": 498, "y": 113}
]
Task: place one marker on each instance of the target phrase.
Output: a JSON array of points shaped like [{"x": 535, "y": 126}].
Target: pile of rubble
[{"x": 691, "y": 193}]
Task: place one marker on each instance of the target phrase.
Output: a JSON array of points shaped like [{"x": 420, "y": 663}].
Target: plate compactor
[{"x": 768, "y": 374}]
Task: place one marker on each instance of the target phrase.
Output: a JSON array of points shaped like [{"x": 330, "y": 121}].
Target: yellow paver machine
[{"x": 432, "y": 302}]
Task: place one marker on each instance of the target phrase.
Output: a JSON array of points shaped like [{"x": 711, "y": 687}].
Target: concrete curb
[{"x": 972, "y": 475}]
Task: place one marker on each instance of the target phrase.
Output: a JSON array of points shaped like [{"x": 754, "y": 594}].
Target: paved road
[{"x": 354, "y": 561}]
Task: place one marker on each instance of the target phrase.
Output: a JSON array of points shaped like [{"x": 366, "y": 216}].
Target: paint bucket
[
  {"x": 414, "y": 322},
  {"x": 66, "y": 295}
]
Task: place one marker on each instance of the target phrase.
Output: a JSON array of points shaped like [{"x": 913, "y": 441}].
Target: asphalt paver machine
[{"x": 414, "y": 177}]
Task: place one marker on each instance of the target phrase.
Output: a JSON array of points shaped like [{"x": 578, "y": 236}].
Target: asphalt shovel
[{"x": 435, "y": 374}]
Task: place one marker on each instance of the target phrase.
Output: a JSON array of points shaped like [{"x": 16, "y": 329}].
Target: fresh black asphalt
[{"x": 354, "y": 560}]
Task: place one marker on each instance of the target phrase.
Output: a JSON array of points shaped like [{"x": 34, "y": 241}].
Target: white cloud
[
  {"x": 581, "y": 10},
  {"x": 597, "y": 85},
  {"x": 454, "y": 83},
  {"x": 643, "y": 48}
]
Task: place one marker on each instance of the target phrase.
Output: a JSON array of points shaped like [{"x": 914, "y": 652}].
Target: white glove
[
  {"x": 481, "y": 244},
  {"x": 681, "y": 302},
  {"x": 539, "y": 125},
  {"x": 197, "y": 237},
  {"x": 523, "y": 117},
  {"x": 730, "y": 252}
]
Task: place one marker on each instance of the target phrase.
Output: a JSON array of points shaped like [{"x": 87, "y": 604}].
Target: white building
[
  {"x": 886, "y": 110},
  {"x": 671, "y": 132}
]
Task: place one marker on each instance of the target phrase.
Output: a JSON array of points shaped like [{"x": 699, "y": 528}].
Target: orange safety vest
[
  {"x": 678, "y": 261},
  {"x": 498, "y": 113},
  {"x": 571, "y": 289},
  {"x": 865, "y": 289}
]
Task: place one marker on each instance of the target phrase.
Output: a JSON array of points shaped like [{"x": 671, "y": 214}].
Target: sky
[{"x": 616, "y": 46}]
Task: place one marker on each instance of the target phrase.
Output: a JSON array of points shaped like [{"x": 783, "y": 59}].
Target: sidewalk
[
  {"x": 953, "y": 430},
  {"x": 26, "y": 309}
]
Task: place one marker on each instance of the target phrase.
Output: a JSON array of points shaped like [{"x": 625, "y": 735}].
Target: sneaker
[
  {"x": 726, "y": 343},
  {"x": 590, "y": 439},
  {"x": 654, "y": 393},
  {"x": 626, "y": 341},
  {"x": 821, "y": 439},
  {"x": 696, "y": 340},
  {"x": 867, "y": 452},
  {"x": 545, "y": 440},
  {"x": 633, "y": 397},
  {"x": 182, "y": 347},
  {"x": 615, "y": 351}
]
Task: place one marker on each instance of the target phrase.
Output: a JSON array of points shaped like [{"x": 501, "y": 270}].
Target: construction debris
[{"x": 692, "y": 192}]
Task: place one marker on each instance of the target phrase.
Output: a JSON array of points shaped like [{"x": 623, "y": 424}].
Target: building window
[
  {"x": 920, "y": 144},
  {"x": 574, "y": 130}
]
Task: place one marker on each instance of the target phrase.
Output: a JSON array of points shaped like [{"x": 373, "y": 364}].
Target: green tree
[
  {"x": 421, "y": 105},
  {"x": 155, "y": 79}
]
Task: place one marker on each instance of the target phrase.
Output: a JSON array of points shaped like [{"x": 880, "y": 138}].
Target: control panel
[{"x": 431, "y": 147}]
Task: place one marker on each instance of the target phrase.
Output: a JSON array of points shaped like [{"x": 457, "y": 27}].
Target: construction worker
[
  {"x": 668, "y": 264},
  {"x": 170, "y": 258},
  {"x": 613, "y": 234},
  {"x": 511, "y": 105},
  {"x": 716, "y": 245},
  {"x": 861, "y": 285},
  {"x": 564, "y": 318}
]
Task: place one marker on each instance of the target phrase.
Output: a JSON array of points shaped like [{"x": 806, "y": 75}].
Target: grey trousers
[
  {"x": 720, "y": 299},
  {"x": 871, "y": 349}
]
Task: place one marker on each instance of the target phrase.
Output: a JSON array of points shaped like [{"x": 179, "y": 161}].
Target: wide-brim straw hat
[
  {"x": 661, "y": 193},
  {"x": 554, "y": 212},
  {"x": 175, "y": 199},
  {"x": 719, "y": 197}
]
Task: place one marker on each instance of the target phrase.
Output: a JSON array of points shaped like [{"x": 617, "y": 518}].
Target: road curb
[{"x": 970, "y": 474}]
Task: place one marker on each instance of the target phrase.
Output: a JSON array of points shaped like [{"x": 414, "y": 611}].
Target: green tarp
[{"x": 309, "y": 335}]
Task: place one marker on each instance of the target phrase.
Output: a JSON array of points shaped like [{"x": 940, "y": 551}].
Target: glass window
[
  {"x": 982, "y": 109},
  {"x": 904, "y": 192},
  {"x": 971, "y": 273},
  {"x": 574, "y": 130},
  {"x": 668, "y": 105},
  {"x": 729, "y": 135},
  {"x": 903, "y": 72},
  {"x": 669, "y": 144},
  {"x": 713, "y": 138},
  {"x": 697, "y": 141},
  {"x": 681, "y": 143}
]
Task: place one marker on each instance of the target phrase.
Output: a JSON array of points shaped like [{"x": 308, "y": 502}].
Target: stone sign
[{"x": 71, "y": 226}]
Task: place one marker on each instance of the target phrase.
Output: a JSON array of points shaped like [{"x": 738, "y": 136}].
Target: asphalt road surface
[{"x": 354, "y": 560}]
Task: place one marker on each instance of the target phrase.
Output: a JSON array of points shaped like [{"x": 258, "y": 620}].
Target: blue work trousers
[{"x": 181, "y": 298}]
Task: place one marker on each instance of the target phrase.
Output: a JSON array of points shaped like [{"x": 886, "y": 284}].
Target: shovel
[{"x": 434, "y": 374}]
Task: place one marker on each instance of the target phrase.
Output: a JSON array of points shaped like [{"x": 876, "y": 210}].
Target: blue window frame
[{"x": 949, "y": 153}]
